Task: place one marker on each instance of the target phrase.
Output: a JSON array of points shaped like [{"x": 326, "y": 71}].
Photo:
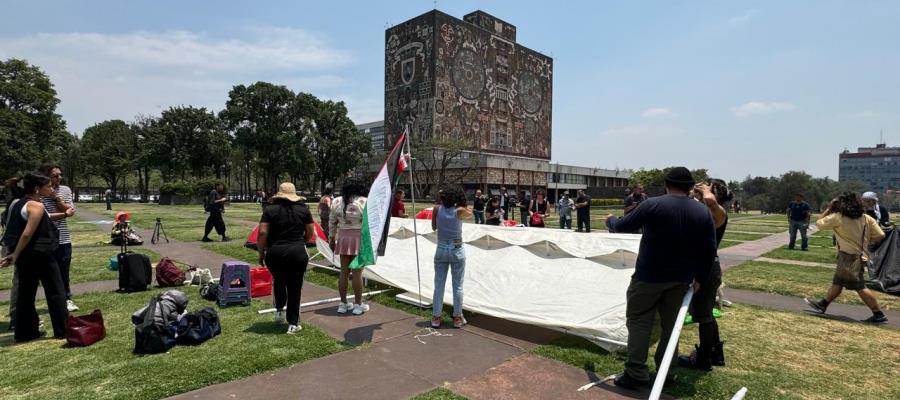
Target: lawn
[
  {"x": 744, "y": 236},
  {"x": 439, "y": 394},
  {"x": 249, "y": 344},
  {"x": 775, "y": 354},
  {"x": 89, "y": 264},
  {"x": 815, "y": 254},
  {"x": 795, "y": 280},
  {"x": 757, "y": 228},
  {"x": 184, "y": 223}
]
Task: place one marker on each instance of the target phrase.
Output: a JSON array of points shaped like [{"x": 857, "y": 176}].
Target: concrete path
[
  {"x": 836, "y": 311},
  {"x": 794, "y": 262},
  {"x": 750, "y": 250}
]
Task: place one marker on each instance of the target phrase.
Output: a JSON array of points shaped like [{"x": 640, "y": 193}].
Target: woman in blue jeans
[{"x": 446, "y": 219}]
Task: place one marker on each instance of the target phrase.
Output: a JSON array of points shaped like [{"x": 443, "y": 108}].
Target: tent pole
[{"x": 412, "y": 195}]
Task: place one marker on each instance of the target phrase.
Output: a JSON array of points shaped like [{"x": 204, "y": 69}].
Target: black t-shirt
[
  {"x": 635, "y": 199},
  {"x": 213, "y": 196},
  {"x": 586, "y": 210},
  {"x": 539, "y": 208},
  {"x": 493, "y": 210},
  {"x": 287, "y": 222},
  {"x": 679, "y": 241},
  {"x": 479, "y": 204},
  {"x": 720, "y": 232}
]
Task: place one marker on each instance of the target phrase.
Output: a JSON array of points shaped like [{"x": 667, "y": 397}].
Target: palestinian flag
[{"x": 377, "y": 214}]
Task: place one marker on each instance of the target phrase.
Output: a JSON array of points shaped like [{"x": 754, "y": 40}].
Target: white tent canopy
[{"x": 559, "y": 279}]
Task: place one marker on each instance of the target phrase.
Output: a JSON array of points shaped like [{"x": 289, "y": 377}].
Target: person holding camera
[
  {"x": 854, "y": 231},
  {"x": 34, "y": 239},
  {"x": 216, "y": 206},
  {"x": 494, "y": 212},
  {"x": 635, "y": 199},
  {"x": 446, "y": 220},
  {"x": 478, "y": 207}
]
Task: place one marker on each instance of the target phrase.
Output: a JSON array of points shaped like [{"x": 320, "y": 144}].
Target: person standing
[
  {"x": 345, "y": 236},
  {"x": 446, "y": 219},
  {"x": 494, "y": 212},
  {"x": 564, "y": 208},
  {"x": 635, "y": 199},
  {"x": 678, "y": 247},
  {"x": 216, "y": 206},
  {"x": 34, "y": 239},
  {"x": 524, "y": 206},
  {"x": 504, "y": 202},
  {"x": 58, "y": 206},
  {"x": 325, "y": 210},
  {"x": 854, "y": 231},
  {"x": 538, "y": 209},
  {"x": 798, "y": 218},
  {"x": 398, "y": 209},
  {"x": 478, "y": 207},
  {"x": 875, "y": 210},
  {"x": 583, "y": 211},
  {"x": 108, "y": 195},
  {"x": 284, "y": 229},
  {"x": 715, "y": 195}
]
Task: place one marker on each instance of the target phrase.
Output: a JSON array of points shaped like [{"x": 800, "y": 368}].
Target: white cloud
[
  {"x": 658, "y": 112},
  {"x": 743, "y": 19},
  {"x": 860, "y": 114},
  {"x": 756, "y": 108},
  {"x": 101, "y": 76}
]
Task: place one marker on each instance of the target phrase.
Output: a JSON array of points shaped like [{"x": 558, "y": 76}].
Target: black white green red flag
[{"x": 377, "y": 213}]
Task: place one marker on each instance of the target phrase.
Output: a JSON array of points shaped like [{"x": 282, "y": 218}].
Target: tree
[
  {"x": 442, "y": 160},
  {"x": 264, "y": 119},
  {"x": 338, "y": 147},
  {"x": 200, "y": 144},
  {"x": 109, "y": 150},
  {"x": 31, "y": 131}
]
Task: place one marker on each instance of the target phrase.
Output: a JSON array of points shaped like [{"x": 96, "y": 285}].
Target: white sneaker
[
  {"x": 360, "y": 309},
  {"x": 345, "y": 308},
  {"x": 279, "y": 316},
  {"x": 70, "y": 305},
  {"x": 292, "y": 329}
]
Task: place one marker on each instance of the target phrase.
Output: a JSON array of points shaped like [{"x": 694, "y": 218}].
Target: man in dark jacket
[
  {"x": 875, "y": 210},
  {"x": 678, "y": 248}
]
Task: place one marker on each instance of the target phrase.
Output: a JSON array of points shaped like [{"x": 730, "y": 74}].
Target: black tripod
[{"x": 156, "y": 231}]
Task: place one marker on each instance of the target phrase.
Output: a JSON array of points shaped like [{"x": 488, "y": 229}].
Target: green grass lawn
[
  {"x": 728, "y": 243},
  {"x": 249, "y": 344},
  {"x": 815, "y": 254},
  {"x": 775, "y": 354},
  {"x": 757, "y": 228},
  {"x": 439, "y": 394},
  {"x": 89, "y": 264},
  {"x": 795, "y": 280},
  {"x": 744, "y": 236},
  {"x": 184, "y": 223}
]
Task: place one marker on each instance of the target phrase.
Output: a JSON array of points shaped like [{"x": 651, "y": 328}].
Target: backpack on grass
[
  {"x": 152, "y": 336},
  {"x": 197, "y": 327},
  {"x": 168, "y": 274}
]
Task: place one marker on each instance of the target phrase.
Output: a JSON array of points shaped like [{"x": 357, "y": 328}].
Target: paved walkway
[{"x": 794, "y": 262}]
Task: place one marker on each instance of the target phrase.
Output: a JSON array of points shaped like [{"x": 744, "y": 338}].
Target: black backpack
[
  {"x": 210, "y": 291},
  {"x": 197, "y": 327},
  {"x": 151, "y": 337},
  {"x": 134, "y": 272}
]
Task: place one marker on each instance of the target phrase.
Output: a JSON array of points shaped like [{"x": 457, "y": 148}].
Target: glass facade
[{"x": 877, "y": 168}]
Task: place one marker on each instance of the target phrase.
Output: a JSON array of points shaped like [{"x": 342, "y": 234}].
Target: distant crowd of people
[{"x": 533, "y": 212}]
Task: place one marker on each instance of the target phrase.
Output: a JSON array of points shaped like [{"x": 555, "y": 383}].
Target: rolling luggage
[{"x": 135, "y": 273}]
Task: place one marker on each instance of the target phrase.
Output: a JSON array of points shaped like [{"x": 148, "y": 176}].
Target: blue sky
[{"x": 737, "y": 87}]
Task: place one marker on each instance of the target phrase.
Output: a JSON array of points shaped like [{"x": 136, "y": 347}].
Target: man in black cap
[{"x": 678, "y": 248}]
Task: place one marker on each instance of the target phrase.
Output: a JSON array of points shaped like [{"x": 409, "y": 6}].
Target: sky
[{"x": 741, "y": 88}]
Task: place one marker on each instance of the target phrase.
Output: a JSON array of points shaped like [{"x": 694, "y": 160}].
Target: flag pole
[{"x": 412, "y": 195}]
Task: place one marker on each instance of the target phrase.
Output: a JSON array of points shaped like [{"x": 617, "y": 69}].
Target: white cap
[{"x": 870, "y": 196}]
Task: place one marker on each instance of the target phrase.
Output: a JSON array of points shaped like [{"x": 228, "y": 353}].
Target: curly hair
[
  {"x": 21, "y": 186},
  {"x": 353, "y": 187},
  {"x": 848, "y": 205},
  {"x": 452, "y": 196},
  {"x": 720, "y": 189}
]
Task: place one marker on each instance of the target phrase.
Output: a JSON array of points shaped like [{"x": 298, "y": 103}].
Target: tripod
[{"x": 156, "y": 231}]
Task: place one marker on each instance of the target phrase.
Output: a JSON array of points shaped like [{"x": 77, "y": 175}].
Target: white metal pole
[
  {"x": 324, "y": 301},
  {"x": 412, "y": 195},
  {"x": 670, "y": 348},
  {"x": 740, "y": 394}
]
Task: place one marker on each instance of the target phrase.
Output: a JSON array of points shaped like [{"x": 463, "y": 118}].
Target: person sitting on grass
[
  {"x": 34, "y": 239},
  {"x": 854, "y": 230},
  {"x": 446, "y": 220},
  {"x": 284, "y": 228}
]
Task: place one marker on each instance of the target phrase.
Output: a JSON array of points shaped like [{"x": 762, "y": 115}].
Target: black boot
[
  {"x": 717, "y": 354},
  {"x": 699, "y": 359}
]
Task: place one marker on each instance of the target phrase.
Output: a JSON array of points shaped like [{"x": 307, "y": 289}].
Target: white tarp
[{"x": 558, "y": 279}]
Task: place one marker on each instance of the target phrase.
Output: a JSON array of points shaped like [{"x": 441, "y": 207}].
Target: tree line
[
  {"x": 768, "y": 194},
  {"x": 265, "y": 134}
]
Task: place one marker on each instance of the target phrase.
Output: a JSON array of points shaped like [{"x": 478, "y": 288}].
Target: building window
[{"x": 500, "y": 137}]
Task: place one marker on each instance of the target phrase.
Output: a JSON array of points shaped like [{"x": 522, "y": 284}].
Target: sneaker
[
  {"x": 360, "y": 309},
  {"x": 624, "y": 381},
  {"x": 279, "y": 316},
  {"x": 876, "y": 319},
  {"x": 436, "y": 322},
  {"x": 345, "y": 307},
  {"x": 206, "y": 239},
  {"x": 292, "y": 329},
  {"x": 70, "y": 305},
  {"x": 459, "y": 321},
  {"x": 816, "y": 305}
]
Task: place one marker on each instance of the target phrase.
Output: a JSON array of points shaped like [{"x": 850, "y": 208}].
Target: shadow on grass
[{"x": 267, "y": 328}]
